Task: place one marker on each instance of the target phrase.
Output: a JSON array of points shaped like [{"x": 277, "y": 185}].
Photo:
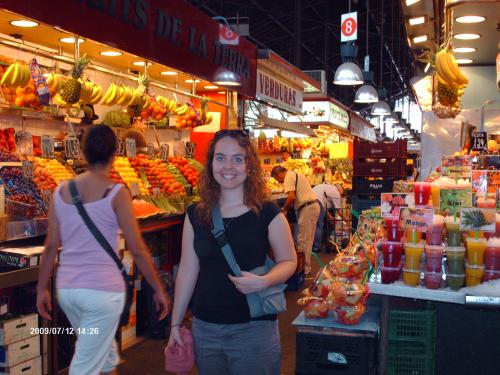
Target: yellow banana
[
  {"x": 25, "y": 76},
  {"x": 97, "y": 98},
  {"x": 209, "y": 119},
  {"x": 114, "y": 94},
  {"x": 107, "y": 95},
  {"x": 172, "y": 106},
  {"x": 15, "y": 75},
  {"x": 457, "y": 72},
  {"x": 123, "y": 96},
  {"x": 440, "y": 79},
  {"x": 182, "y": 110},
  {"x": 443, "y": 69},
  {"x": 146, "y": 104},
  {"x": 58, "y": 100},
  {"x": 7, "y": 76},
  {"x": 135, "y": 97},
  {"x": 50, "y": 80}
]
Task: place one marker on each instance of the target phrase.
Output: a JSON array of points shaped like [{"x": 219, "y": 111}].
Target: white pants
[
  {"x": 94, "y": 316},
  {"x": 306, "y": 227}
]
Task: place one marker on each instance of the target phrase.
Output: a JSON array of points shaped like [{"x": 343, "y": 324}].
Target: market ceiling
[{"x": 307, "y": 33}]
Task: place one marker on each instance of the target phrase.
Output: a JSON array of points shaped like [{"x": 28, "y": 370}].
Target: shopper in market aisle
[
  {"x": 227, "y": 340},
  {"x": 90, "y": 287},
  {"x": 329, "y": 197},
  {"x": 307, "y": 207}
]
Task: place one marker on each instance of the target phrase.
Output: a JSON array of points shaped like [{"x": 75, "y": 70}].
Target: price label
[
  {"x": 480, "y": 141},
  {"x": 71, "y": 147},
  {"x": 134, "y": 189},
  {"x": 190, "y": 149},
  {"x": 130, "y": 148},
  {"x": 46, "y": 198},
  {"x": 150, "y": 150},
  {"x": 267, "y": 161},
  {"x": 189, "y": 190},
  {"x": 120, "y": 147},
  {"x": 28, "y": 169},
  {"x": 179, "y": 148},
  {"x": 164, "y": 149},
  {"x": 24, "y": 143},
  {"x": 47, "y": 147}
]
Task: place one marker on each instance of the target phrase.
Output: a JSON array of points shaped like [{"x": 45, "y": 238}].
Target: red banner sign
[{"x": 170, "y": 32}]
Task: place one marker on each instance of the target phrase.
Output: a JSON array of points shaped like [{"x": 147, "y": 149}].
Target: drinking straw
[
  {"x": 414, "y": 236},
  {"x": 316, "y": 256}
]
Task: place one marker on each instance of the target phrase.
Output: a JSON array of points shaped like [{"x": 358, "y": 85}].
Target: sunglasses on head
[{"x": 232, "y": 132}]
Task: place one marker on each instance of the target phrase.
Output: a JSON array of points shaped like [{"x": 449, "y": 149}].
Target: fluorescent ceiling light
[
  {"x": 228, "y": 83},
  {"x": 417, "y": 20},
  {"x": 211, "y": 87},
  {"x": 221, "y": 92},
  {"x": 420, "y": 39},
  {"x": 470, "y": 19},
  {"x": 191, "y": 81},
  {"x": 141, "y": 63},
  {"x": 71, "y": 40},
  {"x": 464, "y": 61},
  {"x": 464, "y": 49},
  {"x": 467, "y": 36},
  {"x": 24, "y": 23},
  {"x": 111, "y": 53},
  {"x": 411, "y": 2},
  {"x": 169, "y": 73}
]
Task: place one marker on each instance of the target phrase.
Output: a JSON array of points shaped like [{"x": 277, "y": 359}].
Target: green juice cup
[
  {"x": 453, "y": 231},
  {"x": 455, "y": 257}
]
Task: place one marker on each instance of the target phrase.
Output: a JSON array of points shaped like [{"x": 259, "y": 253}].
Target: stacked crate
[
  {"x": 375, "y": 168},
  {"x": 412, "y": 339}
]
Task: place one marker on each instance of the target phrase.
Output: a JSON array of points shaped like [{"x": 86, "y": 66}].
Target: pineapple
[
  {"x": 474, "y": 219},
  {"x": 71, "y": 90},
  {"x": 142, "y": 88}
]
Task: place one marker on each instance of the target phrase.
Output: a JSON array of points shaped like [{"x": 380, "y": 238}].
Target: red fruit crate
[
  {"x": 380, "y": 150},
  {"x": 395, "y": 167}
]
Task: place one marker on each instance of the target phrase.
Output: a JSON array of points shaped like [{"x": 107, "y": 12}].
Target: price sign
[
  {"x": 481, "y": 219},
  {"x": 267, "y": 161},
  {"x": 480, "y": 141},
  {"x": 130, "y": 148},
  {"x": 452, "y": 200},
  {"x": 120, "y": 147},
  {"x": 46, "y": 198},
  {"x": 190, "y": 149},
  {"x": 28, "y": 169},
  {"x": 179, "y": 148},
  {"x": 134, "y": 189},
  {"x": 47, "y": 147},
  {"x": 164, "y": 152},
  {"x": 150, "y": 150},
  {"x": 419, "y": 220},
  {"x": 349, "y": 27},
  {"x": 24, "y": 143},
  {"x": 71, "y": 147}
]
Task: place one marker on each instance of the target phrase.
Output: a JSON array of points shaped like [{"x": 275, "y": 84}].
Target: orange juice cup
[
  {"x": 411, "y": 277},
  {"x": 475, "y": 250},
  {"x": 435, "y": 192},
  {"x": 413, "y": 255},
  {"x": 473, "y": 274}
]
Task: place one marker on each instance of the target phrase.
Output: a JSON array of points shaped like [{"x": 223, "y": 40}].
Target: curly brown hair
[{"x": 255, "y": 191}]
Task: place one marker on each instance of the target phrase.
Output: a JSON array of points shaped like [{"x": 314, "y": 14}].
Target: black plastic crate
[
  {"x": 334, "y": 352},
  {"x": 380, "y": 150},
  {"x": 365, "y": 185},
  {"x": 364, "y": 202},
  {"x": 390, "y": 167}
]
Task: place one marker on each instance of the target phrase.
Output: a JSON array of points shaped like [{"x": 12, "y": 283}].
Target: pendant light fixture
[
  {"x": 367, "y": 93},
  {"x": 348, "y": 74},
  {"x": 381, "y": 108}
]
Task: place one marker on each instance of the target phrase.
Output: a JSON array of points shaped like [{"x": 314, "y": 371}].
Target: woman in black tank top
[{"x": 227, "y": 340}]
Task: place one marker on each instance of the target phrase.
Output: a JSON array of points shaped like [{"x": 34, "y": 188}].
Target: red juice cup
[
  {"x": 434, "y": 258},
  {"x": 392, "y": 252},
  {"x": 391, "y": 226},
  {"x": 492, "y": 254},
  {"x": 433, "y": 280},
  {"x": 422, "y": 192},
  {"x": 390, "y": 274}
]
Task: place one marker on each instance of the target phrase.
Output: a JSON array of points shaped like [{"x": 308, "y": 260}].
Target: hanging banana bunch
[{"x": 451, "y": 80}]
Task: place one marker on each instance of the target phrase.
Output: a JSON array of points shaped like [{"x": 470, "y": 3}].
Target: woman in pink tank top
[{"x": 90, "y": 287}]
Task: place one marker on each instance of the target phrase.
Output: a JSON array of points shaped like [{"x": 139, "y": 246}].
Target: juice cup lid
[
  {"x": 410, "y": 270},
  {"x": 455, "y": 275},
  {"x": 473, "y": 266},
  {"x": 455, "y": 249}
]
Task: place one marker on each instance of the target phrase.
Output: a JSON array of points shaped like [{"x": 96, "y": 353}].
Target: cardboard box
[
  {"x": 21, "y": 257},
  {"x": 19, "y": 351},
  {"x": 17, "y": 329},
  {"x": 31, "y": 367}
]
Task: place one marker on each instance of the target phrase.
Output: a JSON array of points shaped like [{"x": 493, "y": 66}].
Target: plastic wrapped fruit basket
[{"x": 20, "y": 211}]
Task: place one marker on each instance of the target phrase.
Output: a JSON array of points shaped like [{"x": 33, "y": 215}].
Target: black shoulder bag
[{"x": 129, "y": 284}]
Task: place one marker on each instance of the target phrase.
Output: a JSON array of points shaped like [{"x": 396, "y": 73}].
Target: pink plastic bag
[{"x": 180, "y": 359}]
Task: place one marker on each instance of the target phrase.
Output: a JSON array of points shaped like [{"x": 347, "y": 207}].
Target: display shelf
[
  {"x": 398, "y": 289},
  {"x": 148, "y": 226},
  {"x": 18, "y": 277}
]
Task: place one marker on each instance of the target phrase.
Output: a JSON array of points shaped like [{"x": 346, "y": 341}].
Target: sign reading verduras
[{"x": 278, "y": 92}]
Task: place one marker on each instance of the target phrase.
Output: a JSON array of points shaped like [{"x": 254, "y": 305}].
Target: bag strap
[
  {"x": 219, "y": 233},
  {"x": 77, "y": 201}
]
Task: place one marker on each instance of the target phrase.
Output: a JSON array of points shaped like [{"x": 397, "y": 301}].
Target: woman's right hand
[
  {"x": 175, "y": 336},
  {"x": 162, "y": 302}
]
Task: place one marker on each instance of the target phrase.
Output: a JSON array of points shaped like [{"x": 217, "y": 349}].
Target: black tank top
[{"x": 215, "y": 297}]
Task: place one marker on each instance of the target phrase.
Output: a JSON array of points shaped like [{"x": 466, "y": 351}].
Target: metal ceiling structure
[{"x": 307, "y": 34}]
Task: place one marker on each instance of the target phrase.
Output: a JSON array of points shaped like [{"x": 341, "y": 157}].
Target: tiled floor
[{"x": 147, "y": 357}]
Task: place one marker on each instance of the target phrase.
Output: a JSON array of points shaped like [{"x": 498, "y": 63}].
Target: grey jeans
[{"x": 251, "y": 348}]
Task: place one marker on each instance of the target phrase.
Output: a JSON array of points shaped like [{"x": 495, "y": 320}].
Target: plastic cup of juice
[
  {"x": 454, "y": 236},
  {"x": 409, "y": 235},
  {"x": 485, "y": 202},
  {"x": 390, "y": 274},
  {"x": 411, "y": 277},
  {"x": 473, "y": 274},
  {"x": 455, "y": 257},
  {"x": 434, "y": 235},
  {"x": 492, "y": 254},
  {"x": 435, "y": 192},
  {"x": 433, "y": 280},
  {"x": 392, "y": 230},
  {"x": 422, "y": 192},
  {"x": 392, "y": 252},
  {"x": 475, "y": 250},
  {"x": 433, "y": 258},
  {"x": 497, "y": 226},
  {"x": 491, "y": 275},
  {"x": 413, "y": 255},
  {"x": 455, "y": 281}
]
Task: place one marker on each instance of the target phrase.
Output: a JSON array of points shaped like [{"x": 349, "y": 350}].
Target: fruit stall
[{"x": 164, "y": 104}]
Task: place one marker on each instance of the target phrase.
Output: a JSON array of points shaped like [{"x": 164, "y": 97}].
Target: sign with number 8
[{"x": 349, "y": 27}]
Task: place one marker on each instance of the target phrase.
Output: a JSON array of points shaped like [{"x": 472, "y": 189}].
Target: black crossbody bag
[{"x": 129, "y": 284}]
